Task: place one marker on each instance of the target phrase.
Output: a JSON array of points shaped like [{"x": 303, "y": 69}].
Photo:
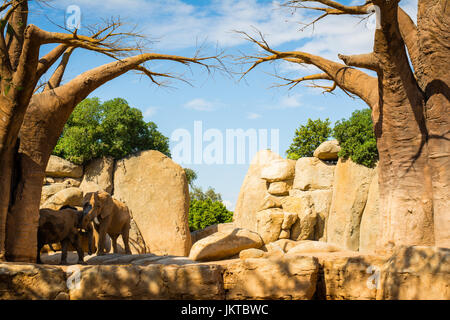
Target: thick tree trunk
[
  {"x": 404, "y": 176},
  {"x": 6, "y": 170},
  {"x": 434, "y": 75},
  {"x": 39, "y": 133}
]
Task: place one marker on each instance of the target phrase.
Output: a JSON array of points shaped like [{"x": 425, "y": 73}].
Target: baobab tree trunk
[{"x": 434, "y": 79}]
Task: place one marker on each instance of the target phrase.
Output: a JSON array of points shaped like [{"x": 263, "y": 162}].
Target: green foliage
[
  {"x": 112, "y": 128},
  {"x": 204, "y": 213},
  {"x": 357, "y": 139},
  {"x": 308, "y": 137},
  {"x": 191, "y": 176},
  {"x": 198, "y": 194}
]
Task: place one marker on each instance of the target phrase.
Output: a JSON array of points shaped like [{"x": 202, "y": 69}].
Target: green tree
[
  {"x": 308, "y": 137},
  {"x": 198, "y": 194},
  {"x": 112, "y": 128},
  {"x": 191, "y": 176},
  {"x": 204, "y": 213},
  {"x": 357, "y": 139}
]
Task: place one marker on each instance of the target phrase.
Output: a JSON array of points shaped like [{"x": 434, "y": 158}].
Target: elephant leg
[
  {"x": 114, "y": 243},
  {"x": 77, "y": 244},
  {"x": 90, "y": 233},
  {"x": 101, "y": 240},
  {"x": 64, "y": 244},
  {"x": 38, "y": 258},
  {"x": 126, "y": 238}
]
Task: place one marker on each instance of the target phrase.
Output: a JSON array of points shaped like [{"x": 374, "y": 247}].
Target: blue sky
[{"x": 179, "y": 26}]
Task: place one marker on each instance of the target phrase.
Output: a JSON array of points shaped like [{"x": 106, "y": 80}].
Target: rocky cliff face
[{"x": 311, "y": 199}]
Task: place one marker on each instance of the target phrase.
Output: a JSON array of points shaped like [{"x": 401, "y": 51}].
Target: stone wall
[{"x": 410, "y": 273}]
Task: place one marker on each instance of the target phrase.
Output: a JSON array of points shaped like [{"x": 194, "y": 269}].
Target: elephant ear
[{"x": 107, "y": 205}]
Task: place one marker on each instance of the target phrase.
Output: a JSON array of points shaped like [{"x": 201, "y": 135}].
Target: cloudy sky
[{"x": 222, "y": 103}]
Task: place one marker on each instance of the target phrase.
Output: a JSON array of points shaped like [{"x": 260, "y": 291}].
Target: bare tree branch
[{"x": 366, "y": 61}]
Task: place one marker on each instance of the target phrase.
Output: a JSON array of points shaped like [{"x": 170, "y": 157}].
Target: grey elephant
[
  {"x": 109, "y": 216},
  {"x": 63, "y": 226}
]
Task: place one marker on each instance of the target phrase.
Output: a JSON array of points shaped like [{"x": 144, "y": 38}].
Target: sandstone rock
[
  {"x": 50, "y": 190},
  {"x": 278, "y": 170},
  {"x": 320, "y": 202},
  {"x": 282, "y": 245},
  {"x": 370, "y": 228},
  {"x": 328, "y": 150},
  {"x": 251, "y": 253},
  {"x": 304, "y": 226},
  {"x": 348, "y": 276},
  {"x": 203, "y": 233},
  {"x": 221, "y": 245},
  {"x": 288, "y": 220},
  {"x": 149, "y": 282},
  {"x": 98, "y": 175},
  {"x": 58, "y": 167},
  {"x": 350, "y": 192},
  {"x": 285, "y": 234},
  {"x": 270, "y": 202},
  {"x": 253, "y": 191},
  {"x": 308, "y": 246},
  {"x": 416, "y": 273},
  {"x": 70, "y": 196},
  {"x": 281, "y": 278},
  {"x": 155, "y": 189},
  {"x": 31, "y": 282},
  {"x": 70, "y": 182},
  {"x": 312, "y": 174},
  {"x": 269, "y": 224},
  {"x": 280, "y": 188}
]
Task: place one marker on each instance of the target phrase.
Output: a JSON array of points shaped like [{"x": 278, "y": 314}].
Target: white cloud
[
  {"x": 200, "y": 104},
  {"x": 287, "y": 102},
  {"x": 253, "y": 115},
  {"x": 230, "y": 205},
  {"x": 150, "y": 111}
]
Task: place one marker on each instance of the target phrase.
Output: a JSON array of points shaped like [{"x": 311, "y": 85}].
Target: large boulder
[
  {"x": 58, "y": 167},
  {"x": 253, "y": 191},
  {"x": 290, "y": 278},
  {"x": 269, "y": 224},
  {"x": 156, "y": 191},
  {"x": 307, "y": 246},
  {"x": 280, "y": 188},
  {"x": 370, "y": 228},
  {"x": 70, "y": 197},
  {"x": 50, "y": 190},
  {"x": 350, "y": 191},
  {"x": 278, "y": 170},
  {"x": 203, "y": 233},
  {"x": 328, "y": 150},
  {"x": 224, "y": 244},
  {"x": 98, "y": 175},
  {"x": 313, "y": 174}
]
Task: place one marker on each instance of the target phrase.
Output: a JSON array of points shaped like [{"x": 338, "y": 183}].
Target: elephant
[
  {"x": 63, "y": 226},
  {"x": 110, "y": 216}
]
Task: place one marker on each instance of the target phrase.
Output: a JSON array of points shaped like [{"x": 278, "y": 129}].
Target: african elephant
[
  {"x": 109, "y": 216},
  {"x": 62, "y": 226}
]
